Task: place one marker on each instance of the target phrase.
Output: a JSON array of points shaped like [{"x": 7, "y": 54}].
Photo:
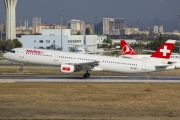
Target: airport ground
[
  {"x": 122, "y": 101},
  {"x": 47, "y": 70}
]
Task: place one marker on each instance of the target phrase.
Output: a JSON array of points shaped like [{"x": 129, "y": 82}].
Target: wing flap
[{"x": 84, "y": 65}]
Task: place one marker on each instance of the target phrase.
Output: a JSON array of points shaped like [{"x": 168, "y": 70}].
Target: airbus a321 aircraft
[
  {"x": 74, "y": 62},
  {"x": 128, "y": 52}
]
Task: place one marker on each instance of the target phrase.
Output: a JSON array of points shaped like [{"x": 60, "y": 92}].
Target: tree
[
  {"x": 78, "y": 33},
  {"x": 17, "y": 43},
  {"x": 176, "y": 48},
  {"x": 9, "y": 45},
  {"x": 71, "y": 49},
  {"x": 6, "y": 45},
  {"x": 107, "y": 41},
  {"x": 88, "y": 31},
  {"x": 2, "y": 45},
  {"x": 104, "y": 46},
  {"x": 144, "y": 36},
  {"x": 37, "y": 34},
  {"x": 156, "y": 43}
]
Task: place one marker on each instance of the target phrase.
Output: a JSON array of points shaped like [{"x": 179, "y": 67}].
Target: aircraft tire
[
  {"x": 20, "y": 69},
  {"x": 86, "y": 75}
]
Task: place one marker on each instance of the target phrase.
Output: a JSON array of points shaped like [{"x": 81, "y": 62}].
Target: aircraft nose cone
[{"x": 5, "y": 55}]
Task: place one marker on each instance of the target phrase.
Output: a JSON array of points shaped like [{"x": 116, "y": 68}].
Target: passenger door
[
  {"x": 21, "y": 54},
  {"x": 55, "y": 56},
  {"x": 144, "y": 65}
]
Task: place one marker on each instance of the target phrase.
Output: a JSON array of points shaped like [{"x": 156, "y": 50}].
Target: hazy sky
[{"x": 93, "y": 10}]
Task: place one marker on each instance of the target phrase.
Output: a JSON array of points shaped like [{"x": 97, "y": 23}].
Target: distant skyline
[{"x": 94, "y": 10}]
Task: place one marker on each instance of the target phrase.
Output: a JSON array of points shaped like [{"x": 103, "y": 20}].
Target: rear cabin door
[{"x": 144, "y": 66}]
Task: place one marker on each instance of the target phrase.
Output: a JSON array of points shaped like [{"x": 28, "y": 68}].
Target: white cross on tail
[{"x": 164, "y": 50}]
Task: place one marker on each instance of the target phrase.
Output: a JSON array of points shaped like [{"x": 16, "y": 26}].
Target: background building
[
  {"x": 129, "y": 31},
  {"x": 156, "y": 29},
  {"x": 161, "y": 29},
  {"x": 76, "y": 26},
  {"x": 110, "y": 26},
  {"x": 101, "y": 38},
  {"x": 51, "y": 39}
]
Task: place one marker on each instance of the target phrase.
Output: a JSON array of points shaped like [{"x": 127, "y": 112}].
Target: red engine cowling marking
[{"x": 66, "y": 68}]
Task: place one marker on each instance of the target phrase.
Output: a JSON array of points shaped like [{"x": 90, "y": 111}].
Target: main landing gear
[
  {"x": 86, "y": 75},
  {"x": 21, "y": 68}
]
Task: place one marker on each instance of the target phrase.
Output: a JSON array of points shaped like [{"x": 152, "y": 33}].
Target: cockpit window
[{"x": 12, "y": 51}]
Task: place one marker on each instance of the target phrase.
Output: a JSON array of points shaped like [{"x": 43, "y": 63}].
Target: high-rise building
[
  {"x": 110, "y": 26},
  {"x": 156, "y": 29},
  {"x": 10, "y": 18},
  {"x": 76, "y": 26},
  {"x": 161, "y": 29},
  {"x": 36, "y": 21},
  {"x": 36, "y": 24}
]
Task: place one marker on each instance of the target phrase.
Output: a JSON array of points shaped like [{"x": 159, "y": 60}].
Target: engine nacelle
[
  {"x": 67, "y": 68},
  {"x": 177, "y": 65}
]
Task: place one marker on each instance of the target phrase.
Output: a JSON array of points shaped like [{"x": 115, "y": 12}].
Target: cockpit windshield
[{"x": 12, "y": 51}]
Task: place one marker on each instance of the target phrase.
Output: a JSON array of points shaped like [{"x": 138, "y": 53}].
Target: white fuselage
[
  {"x": 105, "y": 63},
  {"x": 173, "y": 58}
]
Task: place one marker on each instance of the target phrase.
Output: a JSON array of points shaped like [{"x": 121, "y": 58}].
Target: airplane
[
  {"x": 83, "y": 48},
  {"x": 128, "y": 52},
  {"x": 70, "y": 62}
]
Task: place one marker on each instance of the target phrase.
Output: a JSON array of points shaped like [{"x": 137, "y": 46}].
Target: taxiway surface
[{"x": 92, "y": 79}]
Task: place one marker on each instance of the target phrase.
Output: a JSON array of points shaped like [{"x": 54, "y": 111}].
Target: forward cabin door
[{"x": 21, "y": 53}]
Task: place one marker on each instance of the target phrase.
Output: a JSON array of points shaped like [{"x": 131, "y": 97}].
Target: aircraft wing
[
  {"x": 149, "y": 51},
  {"x": 125, "y": 56},
  {"x": 85, "y": 65},
  {"x": 81, "y": 45},
  {"x": 104, "y": 51}
]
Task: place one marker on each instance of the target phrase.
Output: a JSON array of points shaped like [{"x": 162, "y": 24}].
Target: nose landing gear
[{"x": 21, "y": 68}]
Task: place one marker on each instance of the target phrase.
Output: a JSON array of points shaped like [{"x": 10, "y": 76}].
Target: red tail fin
[
  {"x": 165, "y": 50},
  {"x": 126, "y": 48}
]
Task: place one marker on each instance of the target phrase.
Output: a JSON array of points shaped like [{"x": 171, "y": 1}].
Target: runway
[{"x": 92, "y": 79}]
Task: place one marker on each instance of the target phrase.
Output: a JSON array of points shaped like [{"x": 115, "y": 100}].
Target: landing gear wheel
[
  {"x": 21, "y": 68},
  {"x": 86, "y": 75}
]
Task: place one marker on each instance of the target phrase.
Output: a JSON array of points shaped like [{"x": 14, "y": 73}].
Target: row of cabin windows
[
  {"x": 76, "y": 58},
  {"x": 85, "y": 59},
  {"x": 39, "y": 54},
  {"x": 60, "y": 56},
  {"x": 119, "y": 63}
]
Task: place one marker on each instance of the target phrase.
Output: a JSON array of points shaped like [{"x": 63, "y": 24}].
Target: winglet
[
  {"x": 126, "y": 48},
  {"x": 165, "y": 50}
]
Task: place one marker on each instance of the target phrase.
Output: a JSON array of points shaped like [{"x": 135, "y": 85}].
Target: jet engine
[
  {"x": 67, "y": 68},
  {"x": 177, "y": 65}
]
